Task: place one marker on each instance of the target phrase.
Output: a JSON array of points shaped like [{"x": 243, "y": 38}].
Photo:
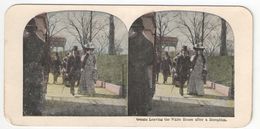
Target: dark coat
[
  {"x": 34, "y": 63},
  {"x": 73, "y": 67},
  {"x": 140, "y": 57},
  {"x": 183, "y": 66},
  {"x": 166, "y": 65},
  {"x": 158, "y": 65},
  {"x": 56, "y": 66}
]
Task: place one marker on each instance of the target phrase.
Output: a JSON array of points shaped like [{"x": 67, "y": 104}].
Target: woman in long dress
[
  {"x": 88, "y": 72},
  {"x": 196, "y": 82}
]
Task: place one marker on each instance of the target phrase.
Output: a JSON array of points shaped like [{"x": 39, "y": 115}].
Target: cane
[
  {"x": 66, "y": 75},
  {"x": 172, "y": 88},
  {"x": 174, "y": 81},
  {"x": 63, "y": 89}
]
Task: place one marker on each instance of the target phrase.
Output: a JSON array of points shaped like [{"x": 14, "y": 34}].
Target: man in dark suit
[
  {"x": 183, "y": 66},
  {"x": 73, "y": 68},
  {"x": 56, "y": 67},
  {"x": 140, "y": 58},
  {"x": 166, "y": 67}
]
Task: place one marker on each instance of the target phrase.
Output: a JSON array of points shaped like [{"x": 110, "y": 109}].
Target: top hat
[
  {"x": 138, "y": 23},
  {"x": 89, "y": 45},
  {"x": 31, "y": 25},
  {"x": 184, "y": 48},
  {"x": 198, "y": 46},
  {"x": 75, "y": 48}
]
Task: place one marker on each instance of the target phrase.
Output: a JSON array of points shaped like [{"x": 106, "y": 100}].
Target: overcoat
[
  {"x": 140, "y": 58},
  {"x": 183, "y": 66},
  {"x": 33, "y": 74},
  {"x": 73, "y": 67}
]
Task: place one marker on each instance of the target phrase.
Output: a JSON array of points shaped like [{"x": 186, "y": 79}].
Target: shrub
[{"x": 220, "y": 69}]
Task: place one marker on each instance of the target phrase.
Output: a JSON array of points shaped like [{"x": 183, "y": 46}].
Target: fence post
[
  {"x": 231, "y": 91},
  {"x": 123, "y": 82}
]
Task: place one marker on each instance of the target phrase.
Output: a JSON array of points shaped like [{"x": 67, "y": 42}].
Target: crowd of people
[
  {"x": 143, "y": 59},
  {"x": 76, "y": 69},
  {"x": 185, "y": 68}
]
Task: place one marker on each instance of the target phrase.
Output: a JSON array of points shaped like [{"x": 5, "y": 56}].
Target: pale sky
[
  {"x": 121, "y": 34},
  {"x": 213, "y": 19}
]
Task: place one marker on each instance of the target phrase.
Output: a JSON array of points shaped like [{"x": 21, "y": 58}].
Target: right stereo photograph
[{"x": 181, "y": 63}]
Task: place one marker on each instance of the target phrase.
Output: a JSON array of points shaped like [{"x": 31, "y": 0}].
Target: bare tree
[
  {"x": 212, "y": 44},
  {"x": 195, "y": 26},
  {"x": 53, "y": 21},
  {"x": 111, "y": 48},
  {"x": 229, "y": 40},
  {"x": 84, "y": 27},
  {"x": 90, "y": 26},
  {"x": 202, "y": 27},
  {"x": 118, "y": 47},
  {"x": 102, "y": 43},
  {"x": 164, "y": 27},
  {"x": 230, "y": 47},
  {"x": 223, "y": 47}
]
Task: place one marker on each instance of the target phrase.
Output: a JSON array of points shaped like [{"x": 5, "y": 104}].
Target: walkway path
[
  {"x": 168, "y": 102},
  {"x": 60, "y": 102}
]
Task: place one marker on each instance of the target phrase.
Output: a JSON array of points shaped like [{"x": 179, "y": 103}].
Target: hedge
[
  {"x": 220, "y": 69},
  {"x": 113, "y": 69}
]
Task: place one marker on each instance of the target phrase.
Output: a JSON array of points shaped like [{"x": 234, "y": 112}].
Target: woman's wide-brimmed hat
[
  {"x": 198, "y": 46},
  {"x": 89, "y": 45}
]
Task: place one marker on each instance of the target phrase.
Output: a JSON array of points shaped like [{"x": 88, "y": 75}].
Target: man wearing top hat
[
  {"x": 183, "y": 65},
  {"x": 34, "y": 65},
  {"x": 140, "y": 58},
  {"x": 73, "y": 68}
]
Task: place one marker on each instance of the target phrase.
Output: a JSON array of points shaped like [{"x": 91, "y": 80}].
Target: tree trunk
[
  {"x": 111, "y": 49},
  {"x": 202, "y": 28},
  {"x": 90, "y": 26},
  {"x": 223, "y": 47}
]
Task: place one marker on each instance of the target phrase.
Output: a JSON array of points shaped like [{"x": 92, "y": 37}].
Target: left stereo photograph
[{"x": 75, "y": 64}]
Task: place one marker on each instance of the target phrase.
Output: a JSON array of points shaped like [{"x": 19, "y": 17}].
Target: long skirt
[
  {"x": 87, "y": 82},
  {"x": 196, "y": 84},
  {"x": 166, "y": 74}
]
